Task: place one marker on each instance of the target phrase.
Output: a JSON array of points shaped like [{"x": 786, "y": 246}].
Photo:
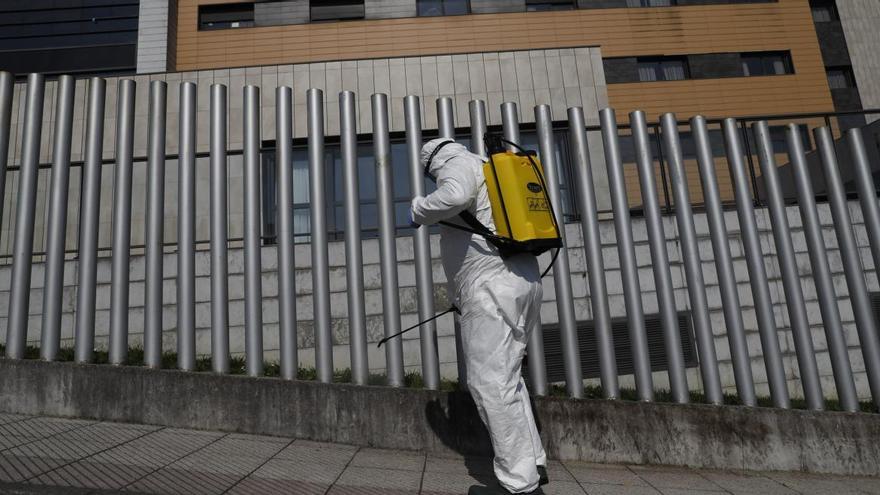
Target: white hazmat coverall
[{"x": 499, "y": 301}]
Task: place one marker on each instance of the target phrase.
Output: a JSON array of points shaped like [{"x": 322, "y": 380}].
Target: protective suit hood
[{"x": 448, "y": 152}]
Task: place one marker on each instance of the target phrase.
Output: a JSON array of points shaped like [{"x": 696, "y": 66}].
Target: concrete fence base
[{"x": 438, "y": 422}]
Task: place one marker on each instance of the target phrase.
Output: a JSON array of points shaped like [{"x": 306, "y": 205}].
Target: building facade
[{"x": 787, "y": 60}]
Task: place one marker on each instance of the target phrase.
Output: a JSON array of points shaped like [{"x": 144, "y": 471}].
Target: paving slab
[{"x": 50, "y": 456}]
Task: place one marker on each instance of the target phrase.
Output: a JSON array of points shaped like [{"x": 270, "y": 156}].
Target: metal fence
[{"x": 744, "y": 181}]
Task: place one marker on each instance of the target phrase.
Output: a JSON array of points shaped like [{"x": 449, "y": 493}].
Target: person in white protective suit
[{"x": 499, "y": 300}]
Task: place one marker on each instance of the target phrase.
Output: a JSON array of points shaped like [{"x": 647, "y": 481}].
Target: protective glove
[{"x": 413, "y": 223}]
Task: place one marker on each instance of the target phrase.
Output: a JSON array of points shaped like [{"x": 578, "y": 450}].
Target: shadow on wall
[{"x": 459, "y": 427}]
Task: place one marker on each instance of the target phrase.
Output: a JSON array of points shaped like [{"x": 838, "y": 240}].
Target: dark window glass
[
  {"x": 663, "y": 69},
  {"x": 443, "y": 7},
  {"x": 543, "y": 5},
  {"x": 51, "y": 37},
  {"x": 367, "y": 186},
  {"x": 226, "y": 16},
  {"x": 841, "y": 78},
  {"x": 767, "y": 64},
  {"x": 337, "y": 10},
  {"x": 824, "y": 10}
]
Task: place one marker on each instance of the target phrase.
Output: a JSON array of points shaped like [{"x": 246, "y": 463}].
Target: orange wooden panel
[{"x": 784, "y": 25}]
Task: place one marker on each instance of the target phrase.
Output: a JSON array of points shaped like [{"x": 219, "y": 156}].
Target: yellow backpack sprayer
[{"x": 522, "y": 212}]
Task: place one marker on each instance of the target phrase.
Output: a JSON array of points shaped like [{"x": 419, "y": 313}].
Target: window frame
[
  {"x": 767, "y": 59},
  {"x": 224, "y": 8},
  {"x": 658, "y": 65},
  {"x": 554, "y": 5},
  {"x": 847, "y": 74},
  {"x": 328, "y": 4},
  {"x": 828, "y": 6}
]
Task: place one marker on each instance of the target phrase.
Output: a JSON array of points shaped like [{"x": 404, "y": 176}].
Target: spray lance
[{"x": 522, "y": 212}]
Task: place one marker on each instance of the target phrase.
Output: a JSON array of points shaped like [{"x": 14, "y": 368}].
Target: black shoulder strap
[{"x": 475, "y": 224}]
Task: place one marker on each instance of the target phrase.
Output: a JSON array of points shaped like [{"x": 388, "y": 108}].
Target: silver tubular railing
[{"x": 387, "y": 117}]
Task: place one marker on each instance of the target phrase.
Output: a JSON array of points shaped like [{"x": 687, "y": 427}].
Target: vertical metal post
[
  {"x": 571, "y": 356},
  {"x": 354, "y": 259},
  {"x": 510, "y": 124},
  {"x": 445, "y": 117},
  {"x": 755, "y": 260},
  {"x": 186, "y": 230},
  {"x": 626, "y": 250},
  {"x": 23, "y": 249},
  {"x": 422, "y": 247},
  {"x": 867, "y": 191},
  {"x": 320, "y": 256},
  {"x": 586, "y": 196},
  {"x": 659, "y": 258},
  {"x": 7, "y": 84},
  {"x": 791, "y": 281},
  {"x": 253, "y": 291},
  {"x": 477, "y": 109},
  {"x": 122, "y": 222},
  {"x": 446, "y": 129},
  {"x": 736, "y": 336},
  {"x": 219, "y": 233},
  {"x": 90, "y": 200},
  {"x": 535, "y": 345},
  {"x": 387, "y": 244},
  {"x": 693, "y": 267},
  {"x": 852, "y": 265},
  {"x": 285, "y": 247},
  {"x": 154, "y": 231},
  {"x": 836, "y": 339},
  {"x": 53, "y": 282}
]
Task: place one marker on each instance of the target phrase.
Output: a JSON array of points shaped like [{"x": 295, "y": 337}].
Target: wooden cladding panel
[{"x": 786, "y": 25}]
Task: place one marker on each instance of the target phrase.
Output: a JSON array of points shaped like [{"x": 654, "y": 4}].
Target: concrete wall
[
  {"x": 860, "y": 19},
  {"x": 408, "y": 299},
  {"x": 156, "y": 28},
  {"x": 560, "y": 78},
  {"x": 764, "y": 439}
]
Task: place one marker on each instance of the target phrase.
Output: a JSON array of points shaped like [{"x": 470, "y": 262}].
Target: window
[
  {"x": 427, "y": 8},
  {"x": 767, "y": 64},
  {"x": 366, "y": 164},
  {"x": 544, "y": 5},
  {"x": 662, "y": 69},
  {"x": 841, "y": 78},
  {"x": 337, "y": 10},
  {"x": 824, "y": 11},
  {"x": 226, "y": 16}
]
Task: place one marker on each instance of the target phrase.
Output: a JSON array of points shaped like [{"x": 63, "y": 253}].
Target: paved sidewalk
[{"x": 50, "y": 455}]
